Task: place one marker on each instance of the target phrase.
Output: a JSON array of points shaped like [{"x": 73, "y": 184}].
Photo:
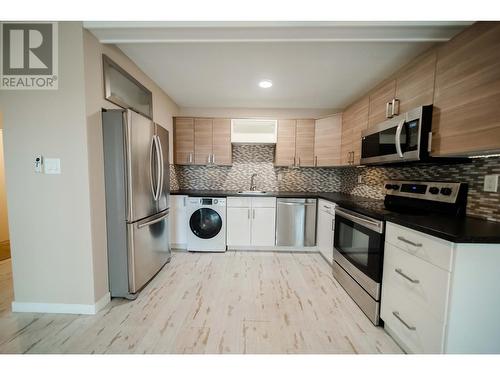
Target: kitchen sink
[{"x": 252, "y": 192}]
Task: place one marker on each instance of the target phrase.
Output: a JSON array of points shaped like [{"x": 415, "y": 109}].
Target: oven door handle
[
  {"x": 398, "y": 138},
  {"x": 372, "y": 224}
]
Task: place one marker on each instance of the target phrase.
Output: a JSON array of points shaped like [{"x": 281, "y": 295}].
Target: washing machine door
[{"x": 205, "y": 223}]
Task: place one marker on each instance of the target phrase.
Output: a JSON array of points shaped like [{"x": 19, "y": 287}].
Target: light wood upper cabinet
[
  {"x": 354, "y": 121},
  {"x": 327, "y": 141},
  {"x": 415, "y": 83},
  {"x": 379, "y": 100},
  {"x": 202, "y": 141},
  {"x": 304, "y": 143},
  {"x": 221, "y": 142},
  {"x": 183, "y": 141},
  {"x": 466, "y": 115},
  {"x": 285, "y": 147}
]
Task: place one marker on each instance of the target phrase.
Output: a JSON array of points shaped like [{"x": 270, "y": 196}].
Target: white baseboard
[
  {"x": 61, "y": 308},
  {"x": 286, "y": 249}
]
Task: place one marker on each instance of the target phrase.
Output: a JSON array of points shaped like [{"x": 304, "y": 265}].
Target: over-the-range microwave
[{"x": 404, "y": 138}]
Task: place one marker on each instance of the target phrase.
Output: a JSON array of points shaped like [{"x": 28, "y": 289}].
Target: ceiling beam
[{"x": 220, "y": 32}]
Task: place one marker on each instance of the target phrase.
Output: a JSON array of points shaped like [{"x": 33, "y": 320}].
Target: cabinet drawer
[
  {"x": 264, "y": 202},
  {"x": 326, "y": 206},
  {"x": 417, "y": 330},
  {"x": 239, "y": 202},
  {"x": 431, "y": 249},
  {"x": 428, "y": 285}
]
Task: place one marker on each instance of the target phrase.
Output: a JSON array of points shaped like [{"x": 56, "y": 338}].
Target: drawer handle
[
  {"x": 409, "y": 242},
  {"x": 399, "y": 271},
  {"x": 398, "y": 317},
  {"x": 327, "y": 207}
]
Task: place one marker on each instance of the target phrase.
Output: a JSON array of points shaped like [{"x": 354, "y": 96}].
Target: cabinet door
[
  {"x": 285, "y": 147},
  {"x": 304, "y": 144},
  {"x": 263, "y": 226},
  {"x": 378, "y": 102},
  {"x": 466, "y": 114},
  {"x": 415, "y": 84},
  {"x": 202, "y": 140},
  {"x": 327, "y": 141},
  {"x": 238, "y": 226},
  {"x": 325, "y": 235},
  {"x": 354, "y": 121},
  {"x": 221, "y": 141},
  {"x": 178, "y": 221},
  {"x": 184, "y": 141}
]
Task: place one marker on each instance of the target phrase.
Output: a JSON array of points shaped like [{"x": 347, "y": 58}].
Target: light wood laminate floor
[{"x": 234, "y": 302}]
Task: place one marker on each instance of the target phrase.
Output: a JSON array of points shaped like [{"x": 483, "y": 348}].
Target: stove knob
[
  {"x": 388, "y": 186},
  {"x": 433, "y": 190},
  {"x": 395, "y": 187},
  {"x": 446, "y": 191}
]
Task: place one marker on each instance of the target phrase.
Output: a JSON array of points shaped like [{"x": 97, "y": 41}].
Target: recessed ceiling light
[{"x": 265, "y": 83}]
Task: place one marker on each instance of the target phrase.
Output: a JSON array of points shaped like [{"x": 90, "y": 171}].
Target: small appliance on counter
[
  {"x": 206, "y": 224},
  {"x": 137, "y": 183},
  {"x": 359, "y": 238}
]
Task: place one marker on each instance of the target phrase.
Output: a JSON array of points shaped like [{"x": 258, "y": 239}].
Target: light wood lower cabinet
[
  {"x": 439, "y": 296},
  {"x": 202, "y": 141},
  {"x": 327, "y": 141},
  {"x": 251, "y": 221},
  {"x": 466, "y": 116}
]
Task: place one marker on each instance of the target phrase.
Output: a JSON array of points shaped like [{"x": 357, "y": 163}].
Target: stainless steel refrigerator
[{"x": 137, "y": 174}]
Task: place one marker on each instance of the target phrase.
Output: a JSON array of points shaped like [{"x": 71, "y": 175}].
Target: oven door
[{"x": 359, "y": 247}]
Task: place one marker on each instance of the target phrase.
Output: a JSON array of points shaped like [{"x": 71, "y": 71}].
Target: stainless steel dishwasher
[{"x": 296, "y": 222}]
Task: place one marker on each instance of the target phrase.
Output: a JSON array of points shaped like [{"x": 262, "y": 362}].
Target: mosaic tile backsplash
[{"x": 249, "y": 159}]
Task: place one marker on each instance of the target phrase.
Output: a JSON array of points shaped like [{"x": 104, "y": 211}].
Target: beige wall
[
  {"x": 49, "y": 215},
  {"x": 4, "y": 224},
  {"x": 163, "y": 111}
]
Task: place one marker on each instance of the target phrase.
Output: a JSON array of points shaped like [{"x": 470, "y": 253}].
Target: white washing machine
[{"x": 206, "y": 224}]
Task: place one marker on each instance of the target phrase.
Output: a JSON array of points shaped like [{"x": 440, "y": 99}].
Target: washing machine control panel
[{"x": 208, "y": 201}]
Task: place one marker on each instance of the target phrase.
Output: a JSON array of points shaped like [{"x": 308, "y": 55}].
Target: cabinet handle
[
  {"x": 333, "y": 225},
  {"x": 299, "y": 161},
  {"x": 253, "y": 213},
  {"x": 394, "y": 111},
  {"x": 184, "y": 201},
  {"x": 398, "y": 317},
  {"x": 209, "y": 158},
  {"x": 402, "y": 239},
  {"x": 190, "y": 161},
  {"x": 400, "y": 272},
  {"x": 294, "y": 161},
  {"x": 315, "y": 161},
  {"x": 388, "y": 110},
  {"x": 213, "y": 158}
]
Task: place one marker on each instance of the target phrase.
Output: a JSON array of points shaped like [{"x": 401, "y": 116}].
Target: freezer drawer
[
  {"x": 148, "y": 249},
  {"x": 296, "y": 222}
]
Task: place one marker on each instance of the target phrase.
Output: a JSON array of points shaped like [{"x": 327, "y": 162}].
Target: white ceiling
[{"x": 312, "y": 65}]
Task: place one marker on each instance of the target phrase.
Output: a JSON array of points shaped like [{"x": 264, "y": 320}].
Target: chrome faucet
[{"x": 253, "y": 187}]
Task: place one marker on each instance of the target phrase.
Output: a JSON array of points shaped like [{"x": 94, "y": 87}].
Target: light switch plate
[
  {"x": 52, "y": 166},
  {"x": 491, "y": 183}
]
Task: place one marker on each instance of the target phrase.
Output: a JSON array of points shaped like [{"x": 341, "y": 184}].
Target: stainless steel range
[{"x": 360, "y": 233}]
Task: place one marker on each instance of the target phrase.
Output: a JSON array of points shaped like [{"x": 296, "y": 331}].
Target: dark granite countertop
[{"x": 454, "y": 229}]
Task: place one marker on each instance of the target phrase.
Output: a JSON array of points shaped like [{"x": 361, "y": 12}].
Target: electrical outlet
[
  {"x": 491, "y": 183},
  {"x": 280, "y": 176},
  {"x": 38, "y": 164},
  {"x": 360, "y": 179}
]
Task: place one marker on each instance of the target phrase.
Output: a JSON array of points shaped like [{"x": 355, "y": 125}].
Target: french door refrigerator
[{"x": 137, "y": 173}]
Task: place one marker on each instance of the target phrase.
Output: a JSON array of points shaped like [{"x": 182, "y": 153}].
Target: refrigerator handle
[
  {"x": 158, "y": 167},
  {"x": 153, "y": 145},
  {"x": 162, "y": 167}
]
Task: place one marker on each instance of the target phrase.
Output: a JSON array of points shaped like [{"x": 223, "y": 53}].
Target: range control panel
[{"x": 427, "y": 190}]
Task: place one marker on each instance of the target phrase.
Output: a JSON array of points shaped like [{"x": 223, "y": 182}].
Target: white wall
[
  {"x": 49, "y": 215},
  {"x": 4, "y": 224}
]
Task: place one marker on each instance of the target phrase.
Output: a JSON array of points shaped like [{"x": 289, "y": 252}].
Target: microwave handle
[{"x": 398, "y": 138}]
